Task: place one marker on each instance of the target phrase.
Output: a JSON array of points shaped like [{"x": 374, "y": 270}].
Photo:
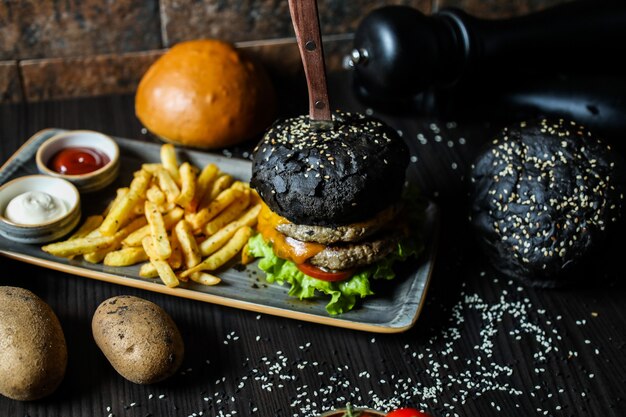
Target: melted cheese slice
[{"x": 284, "y": 246}]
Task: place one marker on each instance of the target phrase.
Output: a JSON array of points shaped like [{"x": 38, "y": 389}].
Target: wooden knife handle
[{"x": 307, "y": 27}]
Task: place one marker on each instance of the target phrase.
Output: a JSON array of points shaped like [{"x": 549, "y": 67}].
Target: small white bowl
[
  {"x": 92, "y": 181},
  {"x": 47, "y": 231}
]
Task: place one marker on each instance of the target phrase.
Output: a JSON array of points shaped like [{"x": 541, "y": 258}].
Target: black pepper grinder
[{"x": 399, "y": 52}]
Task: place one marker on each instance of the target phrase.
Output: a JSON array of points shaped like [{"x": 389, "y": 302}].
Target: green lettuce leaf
[{"x": 343, "y": 294}]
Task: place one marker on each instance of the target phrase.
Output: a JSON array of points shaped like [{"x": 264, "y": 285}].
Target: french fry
[
  {"x": 176, "y": 258},
  {"x": 135, "y": 238},
  {"x": 220, "y": 184},
  {"x": 131, "y": 227},
  {"x": 152, "y": 168},
  {"x": 166, "y": 207},
  {"x": 170, "y": 219},
  {"x": 94, "y": 233},
  {"x": 205, "y": 278},
  {"x": 91, "y": 223},
  {"x": 198, "y": 219},
  {"x": 223, "y": 255},
  {"x": 139, "y": 209},
  {"x": 140, "y": 182},
  {"x": 169, "y": 161},
  {"x": 121, "y": 211},
  {"x": 168, "y": 185},
  {"x": 163, "y": 268},
  {"x": 223, "y": 200},
  {"x": 125, "y": 257},
  {"x": 166, "y": 274},
  {"x": 155, "y": 195},
  {"x": 188, "y": 185},
  {"x": 205, "y": 181},
  {"x": 158, "y": 231},
  {"x": 120, "y": 235},
  {"x": 148, "y": 270},
  {"x": 229, "y": 214},
  {"x": 78, "y": 246},
  {"x": 119, "y": 194},
  {"x": 219, "y": 239},
  {"x": 97, "y": 256},
  {"x": 188, "y": 244}
]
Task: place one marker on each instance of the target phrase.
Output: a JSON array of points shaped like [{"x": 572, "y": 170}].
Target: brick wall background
[{"x": 53, "y": 49}]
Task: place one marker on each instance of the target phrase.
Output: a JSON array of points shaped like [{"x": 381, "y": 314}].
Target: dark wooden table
[{"x": 483, "y": 345}]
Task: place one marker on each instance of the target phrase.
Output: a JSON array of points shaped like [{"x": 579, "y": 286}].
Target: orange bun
[{"x": 205, "y": 94}]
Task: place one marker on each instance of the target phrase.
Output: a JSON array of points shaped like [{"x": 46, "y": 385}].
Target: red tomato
[
  {"x": 407, "y": 412},
  {"x": 315, "y": 272}
]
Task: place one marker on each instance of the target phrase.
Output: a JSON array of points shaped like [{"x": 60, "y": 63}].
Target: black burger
[{"x": 332, "y": 217}]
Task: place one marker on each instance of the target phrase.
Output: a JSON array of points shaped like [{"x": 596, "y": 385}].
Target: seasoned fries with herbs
[
  {"x": 181, "y": 222},
  {"x": 164, "y": 269},
  {"x": 125, "y": 257}
]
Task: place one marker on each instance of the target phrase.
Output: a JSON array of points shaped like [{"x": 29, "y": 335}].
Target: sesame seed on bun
[
  {"x": 330, "y": 178},
  {"x": 546, "y": 197}
]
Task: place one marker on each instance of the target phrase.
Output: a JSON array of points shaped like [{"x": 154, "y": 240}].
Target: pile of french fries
[{"x": 181, "y": 222}]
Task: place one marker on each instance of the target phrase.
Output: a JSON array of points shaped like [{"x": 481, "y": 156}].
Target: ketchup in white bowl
[
  {"x": 89, "y": 160},
  {"x": 78, "y": 161}
]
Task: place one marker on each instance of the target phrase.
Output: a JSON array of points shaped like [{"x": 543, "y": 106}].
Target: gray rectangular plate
[{"x": 394, "y": 308}]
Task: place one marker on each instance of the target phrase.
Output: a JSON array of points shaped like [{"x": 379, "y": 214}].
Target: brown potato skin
[
  {"x": 33, "y": 352},
  {"x": 140, "y": 340}
]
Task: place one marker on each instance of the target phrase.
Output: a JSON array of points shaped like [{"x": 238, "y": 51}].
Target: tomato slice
[
  {"x": 407, "y": 412},
  {"x": 317, "y": 273}
]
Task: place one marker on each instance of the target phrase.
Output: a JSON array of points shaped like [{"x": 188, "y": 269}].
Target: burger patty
[
  {"x": 356, "y": 254},
  {"x": 354, "y": 232}
]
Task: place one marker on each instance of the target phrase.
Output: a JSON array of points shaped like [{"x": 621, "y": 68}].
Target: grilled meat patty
[
  {"x": 354, "y": 232},
  {"x": 356, "y": 254}
]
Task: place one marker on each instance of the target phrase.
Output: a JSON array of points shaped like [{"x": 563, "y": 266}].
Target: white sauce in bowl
[{"x": 34, "y": 207}]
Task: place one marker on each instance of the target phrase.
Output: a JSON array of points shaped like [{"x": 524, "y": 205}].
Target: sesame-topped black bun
[
  {"x": 546, "y": 197},
  {"x": 329, "y": 178}
]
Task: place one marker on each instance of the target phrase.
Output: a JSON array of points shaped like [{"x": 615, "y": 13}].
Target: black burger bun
[
  {"x": 330, "y": 178},
  {"x": 547, "y": 198}
]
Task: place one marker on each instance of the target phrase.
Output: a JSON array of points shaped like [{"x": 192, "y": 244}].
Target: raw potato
[
  {"x": 139, "y": 338},
  {"x": 33, "y": 353}
]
